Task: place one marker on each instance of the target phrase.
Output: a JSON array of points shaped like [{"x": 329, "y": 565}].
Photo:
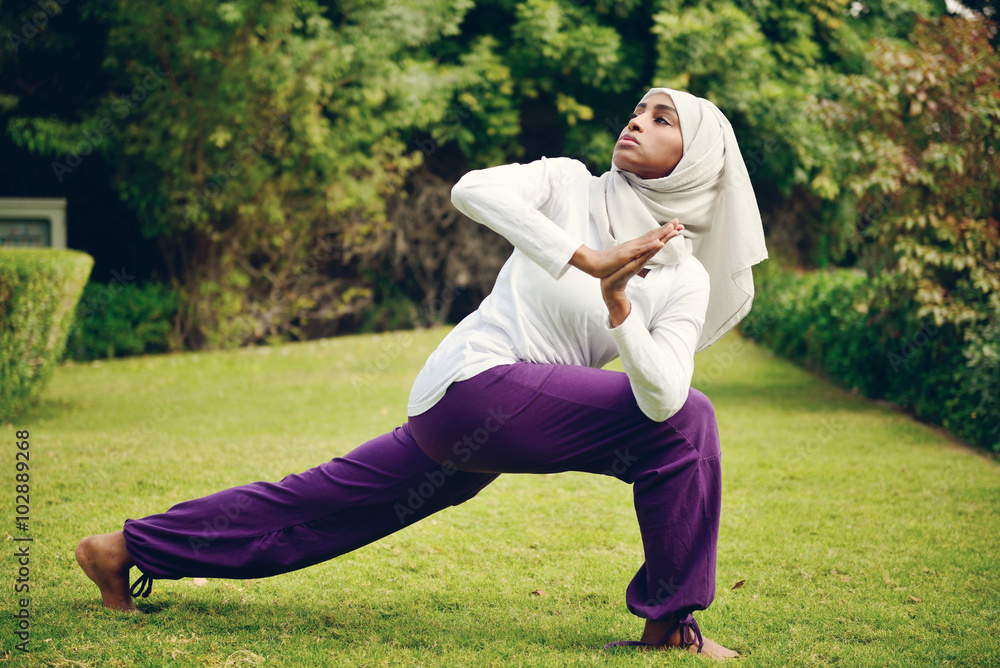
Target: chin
[
  {"x": 625, "y": 166},
  {"x": 636, "y": 172}
]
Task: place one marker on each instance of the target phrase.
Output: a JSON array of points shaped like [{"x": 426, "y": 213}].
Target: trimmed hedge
[
  {"x": 119, "y": 319},
  {"x": 39, "y": 287},
  {"x": 823, "y": 321}
]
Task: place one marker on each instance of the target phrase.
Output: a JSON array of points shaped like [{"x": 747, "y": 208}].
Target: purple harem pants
[{"x": 519, "y": 418}]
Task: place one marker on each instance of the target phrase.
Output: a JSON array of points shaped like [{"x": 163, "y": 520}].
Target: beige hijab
[{"x": 710, "y": 193}]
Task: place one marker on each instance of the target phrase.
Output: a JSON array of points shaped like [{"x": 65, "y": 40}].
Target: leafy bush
[
  {"x": 914, "y": 143},
  {"x": 289, "y": 126},
  {"x": 917, "y": 143},
  {"x": 38, "y": 290},
  {"x": 117, "y": 319},
  {"x": 946, "y": 374}
]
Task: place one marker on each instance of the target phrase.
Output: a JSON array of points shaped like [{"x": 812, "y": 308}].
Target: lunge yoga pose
[{"x": 650, "y": 262}]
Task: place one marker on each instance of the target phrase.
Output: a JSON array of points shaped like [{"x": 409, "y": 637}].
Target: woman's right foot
[
  {"x": 655, "y": 631},
  {"x": 106, "y": 561}
]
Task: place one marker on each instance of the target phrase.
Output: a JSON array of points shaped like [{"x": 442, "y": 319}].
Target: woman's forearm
[
  {"x": 584, "y": 259},
  {"x": 507, "y": 199}
]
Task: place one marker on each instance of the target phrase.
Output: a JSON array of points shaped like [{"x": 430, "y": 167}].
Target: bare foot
[
  {"x": 106, "y": 561},
  {"x": 655, "y": 631}
]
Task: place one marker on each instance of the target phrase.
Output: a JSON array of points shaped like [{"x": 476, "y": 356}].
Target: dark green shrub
[
  {"x": 116, "y": 320},
  {"x": 825, "y": 321},
  {"x": 913, "y": 140},
  {"x": 39, "y": 288}
]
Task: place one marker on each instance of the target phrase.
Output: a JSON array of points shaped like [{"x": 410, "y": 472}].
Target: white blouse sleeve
[
  {"x": 659, "y": 362},
  {"x": 512, "y": 199}
]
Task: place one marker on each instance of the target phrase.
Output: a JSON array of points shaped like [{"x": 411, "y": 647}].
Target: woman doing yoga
[{"x": 649, "y": 262}]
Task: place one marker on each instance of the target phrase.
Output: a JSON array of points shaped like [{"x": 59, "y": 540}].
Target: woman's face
[{"x": 650, "y": 146}]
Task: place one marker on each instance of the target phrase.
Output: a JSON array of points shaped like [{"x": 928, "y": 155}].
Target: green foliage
[
  {"x": 549, "y": 34},
  {"x": 803, "y": 318},
  {"x": 118, "y": 320},
  {"x": 914, "y": 145},
  {"x": 918, "y": 142},
  {"x": 543, "y": 77},
  {"x": 759, "y": 61},
  {"x": 251, "y": 131},
  {"x": 258, "y": 142},
  {"x": 482, "y": 118},
  {"x": 39, "y": 289},
  {"x": 392, "y": 313},
  {"x": 569, "y": 72},
  {"x": 833, "y": 323}
]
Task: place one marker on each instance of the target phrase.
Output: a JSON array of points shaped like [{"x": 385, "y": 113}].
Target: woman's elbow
[
  {"x": 666, "y": 408},
  {"x": 471, "y": 182},
  {"x": 471, "y": 194},
  {"x": 460, "y": 192}
]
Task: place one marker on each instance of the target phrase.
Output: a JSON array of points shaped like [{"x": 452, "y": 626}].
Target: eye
[{"x": 665, "y": 121}]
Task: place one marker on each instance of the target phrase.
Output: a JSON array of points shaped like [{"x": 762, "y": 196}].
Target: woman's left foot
[{"x": 106, "y": 561}]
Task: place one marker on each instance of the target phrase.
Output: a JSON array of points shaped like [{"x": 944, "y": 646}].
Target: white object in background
[{"x": 33, "y": 222}]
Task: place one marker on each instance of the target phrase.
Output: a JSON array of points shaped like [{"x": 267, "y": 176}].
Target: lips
[{"x": 629, "y": 139}]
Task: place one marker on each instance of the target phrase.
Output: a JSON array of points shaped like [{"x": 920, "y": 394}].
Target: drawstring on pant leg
[
  {"x": 689, "y": 623},
  {"x": 685, "y": 624},
  {"x": 142, "y": 586}
]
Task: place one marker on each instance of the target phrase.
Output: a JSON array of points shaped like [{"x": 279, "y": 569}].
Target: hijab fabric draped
[{"x": 709, "y": 192}]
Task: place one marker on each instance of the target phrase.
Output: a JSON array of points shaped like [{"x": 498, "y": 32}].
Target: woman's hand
[
  {"x": 616, "y": 265},
  {"x": 603, "y": 263},
  {"x": 613, "y": 286}
]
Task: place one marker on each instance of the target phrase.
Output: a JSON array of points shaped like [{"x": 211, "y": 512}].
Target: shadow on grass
[
  {"x": 790, "y": 396},
  {"x": 406, "y": 622},
  {"x": 46, "y": 409}
]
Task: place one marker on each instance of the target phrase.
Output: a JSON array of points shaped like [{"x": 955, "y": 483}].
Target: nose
[{"x": 633, "y": 124}]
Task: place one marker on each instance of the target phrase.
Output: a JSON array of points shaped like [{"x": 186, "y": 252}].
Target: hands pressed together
[{"x": 616, "y": 265}]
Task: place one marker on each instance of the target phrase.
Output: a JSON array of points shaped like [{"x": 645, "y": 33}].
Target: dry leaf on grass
[
  {"x": 539, "y": 592},
  {"x": 243, "y": 657},
  {"x": 739, "y": 584}
]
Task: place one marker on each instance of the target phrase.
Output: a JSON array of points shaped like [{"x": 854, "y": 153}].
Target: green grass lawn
[{"x": 864, "y": 538}]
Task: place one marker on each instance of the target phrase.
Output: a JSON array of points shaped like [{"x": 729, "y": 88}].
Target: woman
[{"x": 617, "y": 265}]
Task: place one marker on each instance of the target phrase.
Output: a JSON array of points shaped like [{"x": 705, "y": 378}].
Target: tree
[
  {"x": 915, "y": 144},
  {"x": 256, "y": 141},
  {"x": 760, "y": 62}
]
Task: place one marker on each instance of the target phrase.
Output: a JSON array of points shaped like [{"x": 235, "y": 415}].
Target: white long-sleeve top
[{"x": 544, "y": 310}]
